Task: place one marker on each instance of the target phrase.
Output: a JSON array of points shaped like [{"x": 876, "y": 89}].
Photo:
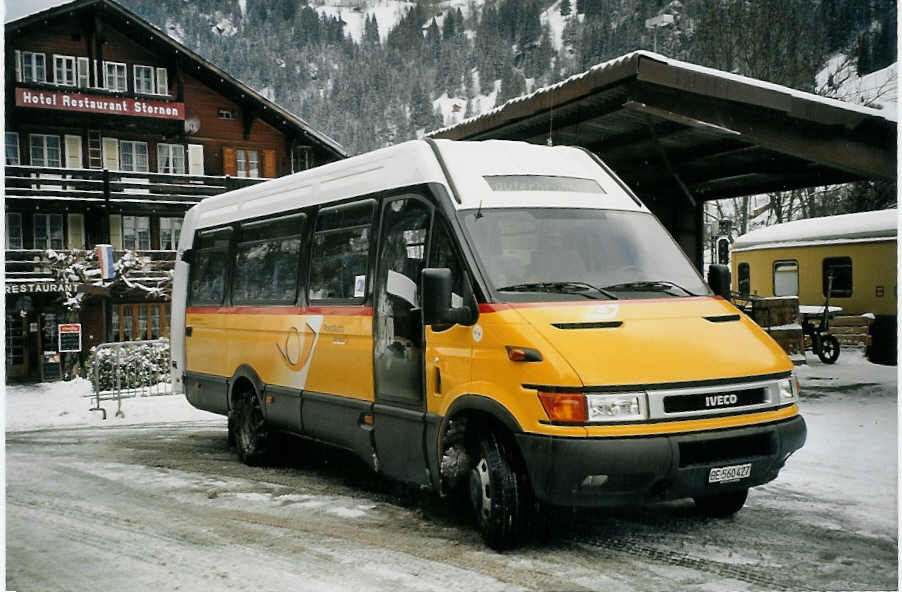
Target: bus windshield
[{"x": 577, "y": 254}]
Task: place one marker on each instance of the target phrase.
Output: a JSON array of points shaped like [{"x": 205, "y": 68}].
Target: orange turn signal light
[
  {"x": 565, "y": 407},
  {"x": 523, "y": 354}
]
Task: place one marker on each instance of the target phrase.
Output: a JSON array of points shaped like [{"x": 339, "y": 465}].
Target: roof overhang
[
  {"x": 192, "y": 64},
  {"x": 669, "y": 127}
]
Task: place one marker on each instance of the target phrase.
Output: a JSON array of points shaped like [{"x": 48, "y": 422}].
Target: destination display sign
[{"x": 106, "y": 105}]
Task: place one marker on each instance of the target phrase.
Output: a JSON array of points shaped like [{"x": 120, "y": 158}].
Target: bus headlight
[
  {"x": 617, "y": 406},
  {"x": 789, "y": 392}
]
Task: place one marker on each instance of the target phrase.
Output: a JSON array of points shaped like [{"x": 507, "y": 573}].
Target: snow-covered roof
[
  {"x": 745, "y": 80},
  {"x": 859, "y": 227}
]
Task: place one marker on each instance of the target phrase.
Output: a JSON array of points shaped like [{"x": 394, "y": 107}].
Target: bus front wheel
[
  {"x": 499, "y": 494},
  {"x": 251, "y": 436}
]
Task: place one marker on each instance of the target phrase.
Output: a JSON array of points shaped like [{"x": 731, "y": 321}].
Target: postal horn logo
[{"x": 297, "y": 347}]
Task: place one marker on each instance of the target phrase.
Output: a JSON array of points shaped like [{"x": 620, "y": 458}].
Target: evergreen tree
[{"x": 566, "y": 9}]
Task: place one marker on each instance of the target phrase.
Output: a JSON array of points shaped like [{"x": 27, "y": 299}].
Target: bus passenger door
[{"x": 398, "y": 341}]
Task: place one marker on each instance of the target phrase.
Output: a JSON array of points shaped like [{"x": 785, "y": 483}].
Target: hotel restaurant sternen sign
[{"x": 106, "y": 105}]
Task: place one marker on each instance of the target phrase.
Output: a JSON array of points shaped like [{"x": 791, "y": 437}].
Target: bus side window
[
  {"x": 266, "y": 261},
  {"x": 340, "y": 252},
  {"x": 443, "y": 254},
  {"x": 208, "y": 269}
]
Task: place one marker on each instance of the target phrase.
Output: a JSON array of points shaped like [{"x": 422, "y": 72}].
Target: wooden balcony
[
  {"x": 114, "y": 190},
  {"x": 29, "y": 265}
]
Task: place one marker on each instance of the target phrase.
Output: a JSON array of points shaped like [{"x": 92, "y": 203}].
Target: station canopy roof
[{"x": 671, "y": 127}]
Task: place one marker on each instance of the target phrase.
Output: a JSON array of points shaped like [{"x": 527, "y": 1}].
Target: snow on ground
[
  {"x": 849, "y": 460},
  {"x": 552, "y": 17},
  {"x": 451, "y": 108},
  {"x": 57, "y": 404},
  {"x": 354, "y": 13},
  {"x": 839, "y": 79}
]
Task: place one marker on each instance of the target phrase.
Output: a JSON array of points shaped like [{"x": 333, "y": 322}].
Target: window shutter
[
  {"x": 116, "y": 231},
  {"x": 269, "y": 163},
  {"x": 76, "y": 231},
  {"x": 73, "y": 152},
  {"x": 111, "y": 154},
  {"x": 229, "y": 164},
  {"x": 162, "y": 81},
  {"x": 195, "y": 159},
  {"x": 84, "y": 76},
  {"x": 18, "y": 66}
]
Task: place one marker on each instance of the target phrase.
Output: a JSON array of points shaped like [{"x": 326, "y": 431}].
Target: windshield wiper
[
  {"x": 560, "y": 287},
  {"x": 648, "y": 286}
]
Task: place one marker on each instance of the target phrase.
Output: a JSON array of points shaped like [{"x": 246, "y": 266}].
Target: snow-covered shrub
[{"x": 140, "y": 365}]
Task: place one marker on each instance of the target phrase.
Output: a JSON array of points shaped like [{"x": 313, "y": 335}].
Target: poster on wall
[{"x": 70, "y": 337}]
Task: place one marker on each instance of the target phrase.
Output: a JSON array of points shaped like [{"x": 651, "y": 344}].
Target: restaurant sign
[
  {"x": 38, "y": 288},
  {"x": 106, "y": 105}
]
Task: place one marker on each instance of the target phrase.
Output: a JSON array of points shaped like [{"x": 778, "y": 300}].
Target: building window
[
  {"x": 114, "y": 77},
  {"x": 64, "y": 70},
  {"x": 48, "y": 231},
  {"x": 170, "y": 230},
  {"x": 12, "y": 148},
  {"x": 171, "y": 159},
  {"x": 162, "y": 81},
  {"x": 840, "y": 268},
  {"x": 136, "y": 233},
  {"x": 114, "y": 324},
  {"x": 744, "y": 280},
  {"x": 133, "y": 156},
  {"x": 45, "y": 150},
  {"x": 33, "y": 67},
  {"x": 127, "y": 327},
  {"x": 248, "y": 165},
  {"x": 144, "y": 79},
  {"x": 786, "y": 278},
  {"x": 14, "y": 231},
  {"x": 223, "y": 114}
]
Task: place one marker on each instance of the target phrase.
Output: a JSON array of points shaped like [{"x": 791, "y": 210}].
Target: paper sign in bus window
[{"x": 359, "y": 286}]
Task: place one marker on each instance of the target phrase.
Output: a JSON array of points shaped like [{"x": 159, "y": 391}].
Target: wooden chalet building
[{"x": 113, "y": 130}]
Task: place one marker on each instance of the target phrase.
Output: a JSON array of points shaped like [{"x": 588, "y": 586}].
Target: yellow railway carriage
[
  {"x": 797, "y": 258},
  {"x": 497, "y": 319}
]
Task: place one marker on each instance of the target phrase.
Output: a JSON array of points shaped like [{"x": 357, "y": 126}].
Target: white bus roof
[
  {"x": 414, "y": 162},
  {"x": 845, "y": 228}
]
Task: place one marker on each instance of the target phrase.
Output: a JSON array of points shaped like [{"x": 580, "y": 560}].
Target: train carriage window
[
  {"x": 266, "y": 261},
  {"x": 208, "y": 270},
  {"x": 340, "y": 252},
  {"x": 840, "y": 268},
  {"x": 744, "y": 281},
  {"x": 786, "y": 278}
]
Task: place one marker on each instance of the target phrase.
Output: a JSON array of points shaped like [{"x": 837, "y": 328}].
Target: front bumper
[{"x": 655, "y": 468}]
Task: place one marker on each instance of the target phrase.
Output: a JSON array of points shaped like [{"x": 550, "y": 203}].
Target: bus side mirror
[
  {"x": 719, "y": 280},
  {"x": 437, "y": 308},
  {"x": 188, "y": 256}
]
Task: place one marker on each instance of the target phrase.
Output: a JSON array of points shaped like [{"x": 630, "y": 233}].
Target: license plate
[{"x": 731, "y": 473}]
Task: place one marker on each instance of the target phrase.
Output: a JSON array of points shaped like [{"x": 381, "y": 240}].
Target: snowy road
[{"x": 165, "y": 505}]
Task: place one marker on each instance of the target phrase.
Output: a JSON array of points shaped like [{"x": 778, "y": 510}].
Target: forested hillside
[{"x": 369, "y": 83}]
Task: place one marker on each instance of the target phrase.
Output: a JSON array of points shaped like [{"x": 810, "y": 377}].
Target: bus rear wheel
[
  {"x": 252, "y": 440},
  {"x": 499, "y": 494},
  {"x": 721, "y": 504}
]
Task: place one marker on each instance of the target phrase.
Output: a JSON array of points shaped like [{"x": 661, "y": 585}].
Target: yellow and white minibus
[{"x": 498, "y": 319}]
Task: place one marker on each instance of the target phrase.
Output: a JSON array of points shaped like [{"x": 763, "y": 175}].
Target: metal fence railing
[{"x": 129, "y": 369}]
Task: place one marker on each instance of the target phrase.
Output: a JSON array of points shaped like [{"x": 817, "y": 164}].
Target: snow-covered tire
[
  {"x": 721, "y": 504},
  {"x": 499, "y": 494},
  {"x": 252, "y": 440}
]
